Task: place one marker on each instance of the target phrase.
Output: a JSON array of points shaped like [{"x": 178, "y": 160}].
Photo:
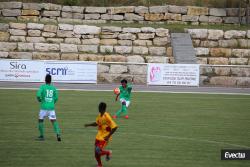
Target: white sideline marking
[
  {"x": 212, "y": 93},
  {"x": 185, "y": 138},
  {"x": 190, "y": 139},
  {"x": 143, "y": 91}
]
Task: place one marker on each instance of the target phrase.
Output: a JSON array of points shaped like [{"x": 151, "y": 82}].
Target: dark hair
[
  {"x": 48, "y": 78},
  {"x": 102, "y": 107},
  {"x": 124, "y": 81}
]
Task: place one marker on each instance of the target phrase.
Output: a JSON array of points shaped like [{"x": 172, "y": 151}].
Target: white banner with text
[
  {"x": 173, "y": 74},
  {"x": 21, "y": 70},
  {"x": 35, "y": 71},
  {"x": 72, "y": 71}
]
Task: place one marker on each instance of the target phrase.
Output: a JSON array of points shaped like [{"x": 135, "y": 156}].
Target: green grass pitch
[{"x": 164, "y": 130}]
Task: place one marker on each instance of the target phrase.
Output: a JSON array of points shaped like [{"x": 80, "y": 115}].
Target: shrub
[{"x": 71, "y": 2}]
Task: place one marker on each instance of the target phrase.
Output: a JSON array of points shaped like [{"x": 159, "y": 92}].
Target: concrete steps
[{"x": 183, "y": 49}]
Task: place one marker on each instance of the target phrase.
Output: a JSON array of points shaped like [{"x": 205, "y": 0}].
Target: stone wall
[
  {"x": 218, "y": 47},
  {"x": 115, "y": 72},
  {"x": 230, "y": 76},
  {"x": 210, "y": 75},
  {"x": 48, "y": 12},
  {"x": 85, "y": 43},
  {"x": 117, "y": 44}
]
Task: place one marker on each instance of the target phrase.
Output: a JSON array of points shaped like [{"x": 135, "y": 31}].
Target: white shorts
[
  {"x": 127, "y": 102},
  {"x": 47, "y": 113}
]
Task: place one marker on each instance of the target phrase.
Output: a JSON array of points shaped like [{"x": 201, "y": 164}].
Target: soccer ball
[{"x": 116, "y": 91}]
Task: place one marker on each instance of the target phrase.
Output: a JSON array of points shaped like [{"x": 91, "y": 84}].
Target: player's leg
[
  {"x": 52, "y": 117},
  {"x": 118, "y": 113},
  {"x": 108, "y": 153},
  {"x": 122, "y": 110},
  {"x": 126, "y": 106},
  {"x": 56, "y": 129},
  {"x": 41, "y": 129},
  {"x": 98, "y": 153},
  {"x": 42, "y": 114},
  {"x": 103, "y": 145}
]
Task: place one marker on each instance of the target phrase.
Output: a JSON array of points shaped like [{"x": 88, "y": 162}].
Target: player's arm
[
  {"x": 129, "y": 88},
  {"x": 91, "y": 124},
  {"x": 113, "y": 127},
  {"x": 39, "y": 94},
  {"x": 116, "y": 98},
  {"x": 111, "y": 133},
  {"x": 56, "y": 96}
]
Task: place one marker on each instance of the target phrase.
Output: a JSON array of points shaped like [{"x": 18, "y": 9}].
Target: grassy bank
[
  {"x": 207, "y": 3},
  {"x": 171, "y": 27}
]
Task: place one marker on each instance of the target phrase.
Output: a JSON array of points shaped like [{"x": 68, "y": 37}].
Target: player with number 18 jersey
[{"x": 47, "y": 95}]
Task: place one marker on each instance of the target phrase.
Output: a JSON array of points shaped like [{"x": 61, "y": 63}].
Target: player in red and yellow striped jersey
[{"x": 106, "y": 127}]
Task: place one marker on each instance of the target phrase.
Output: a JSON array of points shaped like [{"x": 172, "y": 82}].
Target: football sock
[
  {"x": 124, "y": 110},
  {"x": 98, "y": 159},
  {"x": 41, "y": 128},
  {"x": 56, "y": 128},
  {"x": 118, "y": 113}
]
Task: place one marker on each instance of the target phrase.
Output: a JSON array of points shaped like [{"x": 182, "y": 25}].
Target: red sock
[
  {"x": 98, "y": 159},
  {"x": 104, "y": 152}
]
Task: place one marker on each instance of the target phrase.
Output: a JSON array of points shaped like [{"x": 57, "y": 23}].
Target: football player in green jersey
[
  {"x": 47, "y": 95},
  {"x": 125, "y": 92}
]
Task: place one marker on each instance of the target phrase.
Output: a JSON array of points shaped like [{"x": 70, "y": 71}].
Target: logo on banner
[
  {"x": 57, "y": 71},
  {"x": 155, "y": 74},
  {"x": 16, "y": 65},
  {"x": 17, "y": 70}
]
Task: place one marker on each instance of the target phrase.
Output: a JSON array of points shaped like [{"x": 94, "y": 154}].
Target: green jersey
[
  {"x": 48, "y": 96},
  {"x": 125, "y": 92}
]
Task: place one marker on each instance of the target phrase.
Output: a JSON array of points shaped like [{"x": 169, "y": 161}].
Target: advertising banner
[
  {"x": 21, "y": 71},
  {"x": 35, "y": 71},
  {"x": 173, "y": 74},
  {"x": 72, "y": 71}
]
